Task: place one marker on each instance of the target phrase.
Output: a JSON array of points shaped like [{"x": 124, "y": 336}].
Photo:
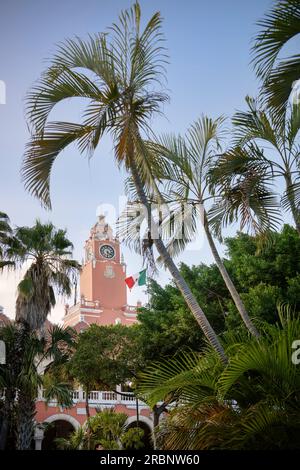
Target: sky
[{"x": 209, "y": 73}]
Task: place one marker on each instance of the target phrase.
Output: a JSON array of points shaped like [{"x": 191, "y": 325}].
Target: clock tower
[{"x": 103, "y": 295}]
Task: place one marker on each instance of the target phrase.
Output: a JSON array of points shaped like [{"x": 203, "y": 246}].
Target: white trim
[
  {"x": 63, "y": 417},
  {"x": 143, "y": 419},
  {"x": 91, "y": 310}
]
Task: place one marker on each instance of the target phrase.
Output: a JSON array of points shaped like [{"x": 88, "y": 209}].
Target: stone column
[
  {"x": 38, "y": 437},
  {"x": 80, "y": 396},
  {"x": 119, "y": 397}
]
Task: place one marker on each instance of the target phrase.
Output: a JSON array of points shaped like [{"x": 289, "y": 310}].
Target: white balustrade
[{"x": 97, "y": 397}]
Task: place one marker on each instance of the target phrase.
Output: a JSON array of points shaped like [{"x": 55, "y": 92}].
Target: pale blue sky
[{"x": 209, "y": 72}]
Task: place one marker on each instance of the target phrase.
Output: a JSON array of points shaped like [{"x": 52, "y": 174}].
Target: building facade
[
  {"x": 103, "y": 292},
  {"x": 103, "y": 301}
]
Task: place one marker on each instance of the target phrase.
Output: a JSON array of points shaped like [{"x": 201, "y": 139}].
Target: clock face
[{"x": 107, "y": 251}]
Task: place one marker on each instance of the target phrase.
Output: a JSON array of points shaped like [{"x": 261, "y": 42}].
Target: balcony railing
[
  {"x": 97, "y": 397},
  {"x": 130, "y": 309}
]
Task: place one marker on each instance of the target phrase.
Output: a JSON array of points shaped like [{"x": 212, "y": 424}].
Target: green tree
[
  {"x": 106, "y": 428},
  {"x": 250, "y": 403},
  {"x": 126, "y": 65},
  {"x": 186, "y": 167},
  {"x": 167, "y": 327},
  {"x": 265, "y": 277},
  {"x": 103, "y": 358},
  {"x": 48, "y": 251},
  {"x": 132, "y": 439},
  {"x": 264, "y": 152},
  {"x": 21, "y": 377}
]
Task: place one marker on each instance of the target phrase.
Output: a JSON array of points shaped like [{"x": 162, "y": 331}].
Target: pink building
[
  {"x": 103, "y": 300},
  {"x": 103, "y": 292}
]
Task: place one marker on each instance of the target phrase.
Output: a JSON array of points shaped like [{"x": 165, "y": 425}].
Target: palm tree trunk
[
  {"x": 3, "y": 430},
  {"x": 87, "y": 409},
  {"x": 157, "y": 411},
  {"x": 178, "y": 279},
  {"x": 291, "y": 197},
  {"x": 25, "y": 421},
  {"x": 228, "y": 282}
]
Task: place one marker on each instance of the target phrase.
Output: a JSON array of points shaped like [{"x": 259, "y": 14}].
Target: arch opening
[
  {"x": 147, "y": 437},
  {"x": 59, "y": 428}
]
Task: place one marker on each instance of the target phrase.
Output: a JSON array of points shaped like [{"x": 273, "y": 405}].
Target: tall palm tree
[
  {"x": 278, "y": 27},
  {"x": 185, "y": 173},
  {"x": 264, "y": 150},
  {"x": 21, "y": 377},
  {"x": 51, "y": 268},
  {"x": 118, "y": 75}
]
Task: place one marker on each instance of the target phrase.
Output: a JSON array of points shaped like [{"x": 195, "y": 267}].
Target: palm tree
[
  {"x": 278, "y": 27},
  {"x": 257, "y": 133},
  {"x": 76, "y": 441},
  {"x": 185, "y": 172},
  {"x": 250, "y": 403},
  {"x": 5, "y": 233},
  {"x": 21, "y": 377},
  {"x": 107, "y": 428},
  {"x": 48, "y": 251},
  {"x": 122, "y": 69}
]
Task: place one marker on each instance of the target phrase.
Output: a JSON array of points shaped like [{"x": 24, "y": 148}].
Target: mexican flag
[{"x": 138, "y": 279}]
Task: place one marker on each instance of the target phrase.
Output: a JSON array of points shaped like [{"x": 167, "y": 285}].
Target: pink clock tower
[{"x": 103, "y": 295}]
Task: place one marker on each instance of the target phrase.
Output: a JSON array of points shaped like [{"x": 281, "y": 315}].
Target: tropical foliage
[
  {"x": 250, "y": 403},
  {"x": 104, "y": 357},
  {"x": 48, "y": 252},
  {"x": 106, "y": 428},
  {"x": 24, "y": 374},
  {"x": 184, "y": 174},
  {"x": 228, "y": 384},
  {"x": 5, "y": 234},
  {"x": 279, "y": 75},
  {"x": 264, "y": 278},
  {"x": 264, "y": 158},
  {"x": 121, "y": 78}
]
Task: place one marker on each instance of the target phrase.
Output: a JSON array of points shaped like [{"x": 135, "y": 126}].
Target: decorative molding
[
  {"x": 143, "y": 419},
  {"x": 109, "y": 272},
  {"x": 63, "y": 417},
  {"x": 91, "y": 310}
]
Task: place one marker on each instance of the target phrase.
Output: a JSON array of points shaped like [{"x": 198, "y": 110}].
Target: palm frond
[
  {"x": 52, "y": 89},
  {"x": 279, "y": 86},
  {"x": 179, "y": 226},
  {"x": 242, "y": 180},
  {"x": 292, "y": 192},
  {"x": 41, "y": 154},
  {"x": 118, "y": 72},
  {"x": 254, "y": 124},
  {"x": 278, "y": 26},
  {"x": 186, "y": 377}
]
